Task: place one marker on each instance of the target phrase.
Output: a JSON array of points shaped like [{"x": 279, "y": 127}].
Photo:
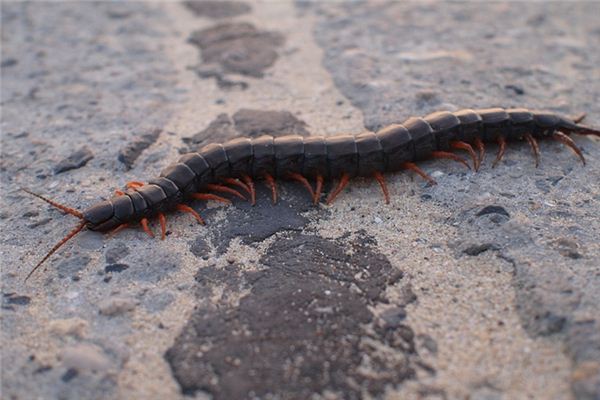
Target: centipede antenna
[
  {"x": 74, "y": 232},
  {"x": 579, "y": 117},
  {"x": 53, "y": 203}
]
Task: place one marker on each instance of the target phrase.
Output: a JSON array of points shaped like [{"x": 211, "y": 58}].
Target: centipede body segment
[{"x": 232, "y": 168}]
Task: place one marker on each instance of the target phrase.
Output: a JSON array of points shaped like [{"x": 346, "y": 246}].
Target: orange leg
[
  {"x": 297, "y": 177},
  {"x": 119, "y": 192},
  {"x": 134, "y": 184},
  {"x": 413, "y": 167},
  {"x": 502, "y": 144},
  {"x": 163, "y": 225},
  {"x": 345, "y": 178},
  {"x": 144, "y": 223},
  {"x": 210, "y": 196},
  {"x": 534, "y": 146},
  {"x": 251, "y": 190},
  {"x": 481, "y": 148},
  {"x": 451, "y": 156},
  {"x": 318, "y": 189},
  {"x": 225, "y": 189},
  {"x": 238, "y": 183},
  {"x": 188, "y": 209},
  {"x": 467, "y": 147},
  {"x": 117, "y": 229},
  {"x": 561, "y": 137},
  {"x": 383, "y": 185},
  {"x": 273, "y": 186}
]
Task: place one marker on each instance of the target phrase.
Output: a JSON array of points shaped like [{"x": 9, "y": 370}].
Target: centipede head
[{"x": 64, "y": 240}]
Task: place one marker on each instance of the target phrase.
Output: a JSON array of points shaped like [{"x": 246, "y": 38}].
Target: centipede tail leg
[
  {"x": 415, "y": 168},
  {"x": 190, "y": 210},
  {"x": 450, "y": 156},
  {"x": 225, "y": 189},
  {"x": 534, "y": 147},
  {"x": 299, "y": 178},
  {"x": 271, "y": 183},
  {"x": 163, "y": 225},
  {"x": 561, "y": 137},
  {"x": 466, "y": 146},
  {"x": 344, "y": 179},
  {"x": 144, "y": 223},
  {"x": 501, "y": 150},
  {"x": 481, "y": 148},
  {"x": 318, "y": 189},
  {"x": 380, "y": 178}
]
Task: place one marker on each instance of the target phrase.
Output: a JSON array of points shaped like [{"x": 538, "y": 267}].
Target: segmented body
[{"x": 327, "y": 157}]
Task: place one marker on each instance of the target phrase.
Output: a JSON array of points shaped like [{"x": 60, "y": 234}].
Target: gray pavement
[{"x": 485, "y": 286}]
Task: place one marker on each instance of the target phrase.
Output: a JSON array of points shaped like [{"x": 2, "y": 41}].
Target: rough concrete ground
[{"x": 485, "y": 286}]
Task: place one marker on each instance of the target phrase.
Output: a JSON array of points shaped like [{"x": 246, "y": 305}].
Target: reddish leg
[
  {"x": 344, "y": 179},
  {"x": 467, "y": 147},
  {"x": 271, "y": 182},
  {"x": 534, "y": 147},
  {"x": 238, "y": 183},
  {"x": 318, "y": 189},
  {"x": 210, "y": 196},
  {"x": 297, "y": 177},
  {"x": 561, "y": 137},
  {"x": 383, "y": 185},
  {"x": 225, "y": 189},
  {"x": 144, "y": 223},
  {"x": 163, "y": 225},
  {"x": 134, "y": 184},
  {"x": 502, "y": 144},
  {"x": 251, "y": 190},
  {"x": 413, "y": 167},
  {"x": 119, "y": 192},
  {"x": 118, "y": 229},
  {"x": 188, "y": 209},
  {"x": 481, "y": 148},
  {"x": 451, "y": 156}
]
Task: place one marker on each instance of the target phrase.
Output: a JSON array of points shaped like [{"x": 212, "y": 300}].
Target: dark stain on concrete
[
  {"x": 132, "y": 151},
  {"x": 303, "y": 328},
  {"x": 218, "y": 9},
  {"x": 247, "y": 123},
  {"x": 237, "y": 48},
  {"x": 76, "y": 160}
]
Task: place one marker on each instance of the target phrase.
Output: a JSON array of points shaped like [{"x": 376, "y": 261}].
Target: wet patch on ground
[
  {"x": 235, "y": 48},
  {"x": 218, "y": 9},
  {"x": 305, "y": 325},
  {"x": 247, "y": 123}
]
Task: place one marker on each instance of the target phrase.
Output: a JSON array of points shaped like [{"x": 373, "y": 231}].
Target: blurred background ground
[{"x": 486, "y": 286}]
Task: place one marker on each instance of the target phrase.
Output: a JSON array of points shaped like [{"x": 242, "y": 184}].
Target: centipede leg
[
  {"x": 210, "y": 196},
  {"x": 561, "y": 137},
  {"x": 118, "y": 229},
  {"x": 238, "y": 183},
  {"x": 318, "y": 189},
  {"x": 271, "y": 183},
  {"x": 190, "y": 210},
  {"x": 450, "y": 156},
  {"x": 344, "y": 179},
  {"x": 502, "y": 144},
  {"x": 252, "y": 191},
  {"x": 144, "y": 223},
  {"x": 380, "y": 178},
  {"x": 415, "y": 168},
  {"x": 134, "y": 184},
  {"x": 297, "y": 177},
  {"x": 534, "y": 147},
  {"x": 578, "y": 118},
  {"x": 225, "y": 189},
  {"x": 466, "y": 146},
  {"x": 481, "y": 148},
  {"x": 163, "y": 225},
  {"x": 119, "y": 192}
]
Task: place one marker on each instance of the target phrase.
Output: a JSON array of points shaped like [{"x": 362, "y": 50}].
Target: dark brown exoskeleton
[{"x": 238, "y": 163}]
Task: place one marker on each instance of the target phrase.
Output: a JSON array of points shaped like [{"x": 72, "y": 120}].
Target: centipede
[{"x": 219, "y": 171}]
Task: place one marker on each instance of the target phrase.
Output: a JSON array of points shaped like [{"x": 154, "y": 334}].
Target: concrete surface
[{"x": 486, "y": 286}]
